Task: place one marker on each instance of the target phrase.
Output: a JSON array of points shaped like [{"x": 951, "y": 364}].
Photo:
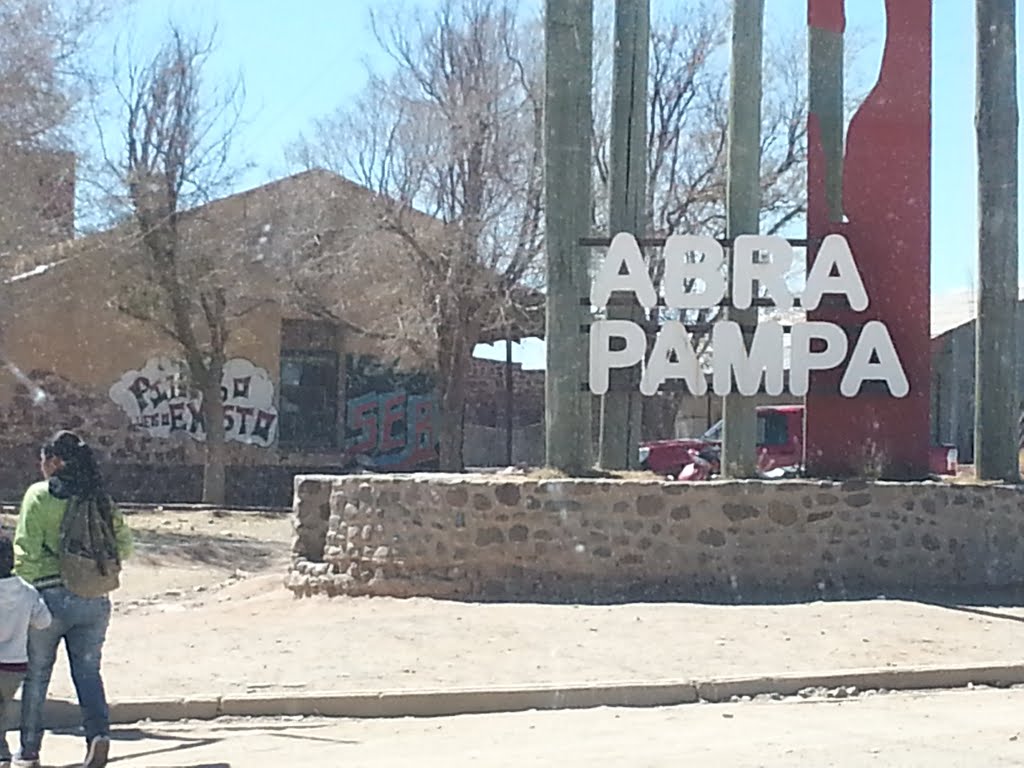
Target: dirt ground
[
  {"x": 204, "y": 611},
  {"x": 181, "y": 555}
]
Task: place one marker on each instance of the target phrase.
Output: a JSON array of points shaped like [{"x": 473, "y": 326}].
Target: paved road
[{"x": 957, "y": 728}]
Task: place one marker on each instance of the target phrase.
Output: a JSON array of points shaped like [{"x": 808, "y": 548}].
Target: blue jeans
[
  {"x": 9, "y": 684},
  {"x": 82, "y": 624}
]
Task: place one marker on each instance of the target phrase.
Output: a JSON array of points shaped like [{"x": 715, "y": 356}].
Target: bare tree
[
  {"x": 328, "y": 253},
  {"x": 177, "y": 141},
  {"x": 45, "y": 78},
  {"x": 687, "y": 121},
  {"x": 451, "y": 142},
  {"x": 43, "y": 73}
]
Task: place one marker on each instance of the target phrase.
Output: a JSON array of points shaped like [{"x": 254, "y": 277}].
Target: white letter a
[
  {"x": 835, "y": 254},
  {"x": 623, "y": 251}
]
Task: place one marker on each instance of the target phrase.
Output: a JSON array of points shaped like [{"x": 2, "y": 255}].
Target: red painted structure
[{"x": 887, "y": 202}]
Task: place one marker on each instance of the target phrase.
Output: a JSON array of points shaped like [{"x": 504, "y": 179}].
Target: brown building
[
  {"x": 316, "y": 380},
  {"x": 37, "y": 204}
]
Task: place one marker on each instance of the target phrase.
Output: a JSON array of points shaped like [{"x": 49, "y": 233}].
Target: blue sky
[{"x": 303, "y": 58}]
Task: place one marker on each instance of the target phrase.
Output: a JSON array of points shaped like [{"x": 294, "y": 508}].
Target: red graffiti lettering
[
  {"x": 392, "y": 412},
  {"x": 363, "y": 418}
]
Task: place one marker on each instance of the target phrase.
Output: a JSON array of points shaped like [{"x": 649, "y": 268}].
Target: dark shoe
[{"x": 99, "y": 750}]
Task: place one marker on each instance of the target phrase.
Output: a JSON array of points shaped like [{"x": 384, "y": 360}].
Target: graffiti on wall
[
  {"x": 157, "y": 399},
  {"x": 389, "y": 415}
]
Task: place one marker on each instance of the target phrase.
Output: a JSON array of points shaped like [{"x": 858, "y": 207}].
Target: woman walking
[{"x": 73, "y": 563}]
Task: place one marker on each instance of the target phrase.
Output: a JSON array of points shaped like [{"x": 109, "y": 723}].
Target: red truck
[{"x": 780, "y": 430}]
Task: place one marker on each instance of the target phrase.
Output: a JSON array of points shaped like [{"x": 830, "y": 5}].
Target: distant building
[
  {"x": 953, "y": 361},
  {"x": 313, "y": 382}
]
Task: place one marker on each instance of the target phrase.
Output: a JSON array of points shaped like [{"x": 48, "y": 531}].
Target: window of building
[
  {"x": 772, "y": 429},
  {"x": 309, "y": 385}
]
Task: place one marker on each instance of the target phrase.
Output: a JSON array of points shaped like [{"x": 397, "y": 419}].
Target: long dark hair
[
  {"x": 6, "y": 555},
  {"x": 80, "y": 474}
]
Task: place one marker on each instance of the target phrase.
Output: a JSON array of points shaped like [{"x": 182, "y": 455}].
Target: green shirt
[{"x": 37, "y": 537}]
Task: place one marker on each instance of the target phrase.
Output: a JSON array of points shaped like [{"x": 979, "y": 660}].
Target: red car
[{"x": 780, "y": 430}]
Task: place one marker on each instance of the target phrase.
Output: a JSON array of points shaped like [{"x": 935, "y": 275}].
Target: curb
[
  {"x": 468, "y": 701},
  {"x": 890, "y": 679}
]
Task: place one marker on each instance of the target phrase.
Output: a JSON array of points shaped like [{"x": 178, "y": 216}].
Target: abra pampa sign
[
  {"x": 814, "y": 346},
  {"x": 158, "y": 400}
]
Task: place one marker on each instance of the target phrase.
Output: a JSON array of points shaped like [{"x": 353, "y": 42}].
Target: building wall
[
  {"x": 952, "y": 411},
  {"x": 66, "y": 345},
  {"x": 488, "y": 537},
  {"x": 486, "y": 394},
  {"x": 488, "y": 446},
  {"x": 389, "y": 415}
]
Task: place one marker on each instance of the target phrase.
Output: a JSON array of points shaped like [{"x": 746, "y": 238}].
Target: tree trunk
[
  {"x": 455, "y": 355},
  {"x": 452, "y": 396},
  {"x": 659, "y": 420},
  {"x": 213, "y": 414}
]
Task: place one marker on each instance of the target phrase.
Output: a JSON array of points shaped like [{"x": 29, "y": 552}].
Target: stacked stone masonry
[{"x": 513, "y": 538}]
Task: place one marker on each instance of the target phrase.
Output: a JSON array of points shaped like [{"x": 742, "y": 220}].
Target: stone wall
[
  {"x": 507, "y": 537},
  {"x": 311, "y": 518}
]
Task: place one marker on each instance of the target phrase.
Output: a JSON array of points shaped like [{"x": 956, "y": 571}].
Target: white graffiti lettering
[{"x": 156, "y": 399}]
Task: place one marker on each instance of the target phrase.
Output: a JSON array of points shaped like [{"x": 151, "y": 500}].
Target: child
[{"x": 20, "y": 607}]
